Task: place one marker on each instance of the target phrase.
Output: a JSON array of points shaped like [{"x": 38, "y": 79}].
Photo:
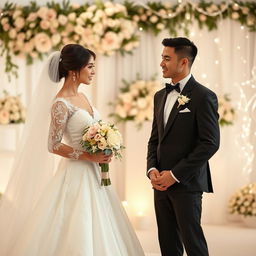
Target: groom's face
[{"x": 171, "y": 65}]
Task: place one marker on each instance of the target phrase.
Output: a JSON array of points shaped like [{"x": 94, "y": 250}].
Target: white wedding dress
[{"x": 76, "y": 216}]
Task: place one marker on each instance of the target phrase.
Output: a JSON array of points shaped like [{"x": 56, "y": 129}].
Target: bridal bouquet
[
  {"x": 12, "y": 110},
  {"x": 103, "y": 137}
]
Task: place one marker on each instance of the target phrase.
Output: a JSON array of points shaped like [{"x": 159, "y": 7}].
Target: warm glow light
[
  {"x": 217, "y": 62},
  {"x": 140, "y": 213},
  {"x": 204, "y": 76},
  {"x": 140, "y": 28},
  {"x": 216, "y": 40}
]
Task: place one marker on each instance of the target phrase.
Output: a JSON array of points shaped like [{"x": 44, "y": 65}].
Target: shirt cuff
[
  {"x": 149, "y": 170},
  {"x": 173, "y": 177}
]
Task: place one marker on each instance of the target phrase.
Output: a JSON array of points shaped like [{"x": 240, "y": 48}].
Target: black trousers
[{"x": 178, "y": 215}]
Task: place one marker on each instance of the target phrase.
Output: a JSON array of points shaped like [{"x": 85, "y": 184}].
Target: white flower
[
  {"x": 43, "y": 42},
  {"x": 114, "y": 139},
  {"x": 32, "y": 16},
  {"x": 62, "y": 19},
  {"x": 72, "y": 16},
  {"x": 160, "y": 26},
  {"x": 16, "y": 13},
  {"x": 56, "y": 38},
  {"x": 44, "y": 24},
  {"x": 182, "y": 100},
  {"x": 142, "y": 103},
  {"x": 153, "y": 19},
  {"x": 12, "y": 33},
  {"x": 42, "y": 12},
  {"x": 235, "y": 15},
  {"x": 19, "y": 23}
]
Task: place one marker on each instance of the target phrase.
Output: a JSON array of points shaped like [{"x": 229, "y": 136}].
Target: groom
[{"x": 185, "y": 135}]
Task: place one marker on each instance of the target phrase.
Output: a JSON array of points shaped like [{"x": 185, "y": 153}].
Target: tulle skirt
[{"x": 76, "y": 216}]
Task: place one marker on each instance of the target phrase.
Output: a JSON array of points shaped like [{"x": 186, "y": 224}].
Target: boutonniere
[{"x": 182, "y": 99}]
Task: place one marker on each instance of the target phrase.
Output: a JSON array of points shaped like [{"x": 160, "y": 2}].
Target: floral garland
[
  {"x": 32, "y": 31},
  {"x": 135, "y": 101},
  {"x": 226, "y": 111},
  {"x": 12, "y": 110},
  {"x": 243, "y": 202}
]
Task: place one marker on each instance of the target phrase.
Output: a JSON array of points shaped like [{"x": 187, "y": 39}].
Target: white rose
[
  {"x": 133, "y": 112},
  {"x": 43, "y": 42},
  {"x": 32, "y": 17},
  {"x": 51, "y": 14},
  {"x": 91, "y": 8},
  {"x": 141, "y": 103},
  {"x": 72, "y": 16},
  {"x": 79, "y": 21},
  {"x": 245, "y": 10},
  {"x": 16, "y": 14},
  {"x": 98, "y": 28},
  {"x": 153, "y": 19},
  {"x": 235, "y": 15},
  {"x": 54, "y": 24},
  {"x": 28, "y": 34},
  {"x": 19, "y": 23},
  {"x": 4, "y": 21},
  {"x": 79, "y": 30},
  {"x": 42, "y": 12},
  {"x": 109, "y": 11},
  {"x": 56, "y": 38},
  {"x": 44, "y": 24},
  {"x": 12, "y": 33},
  {"x": 114, "y": 139},
  {"x": 62, "y": 19},
  {"x": 160, "y": 26}
]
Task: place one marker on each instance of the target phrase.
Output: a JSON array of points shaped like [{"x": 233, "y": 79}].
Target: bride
[{"x": 67, "y": 212}]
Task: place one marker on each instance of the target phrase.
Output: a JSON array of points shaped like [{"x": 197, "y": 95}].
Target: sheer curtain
[{"x": 225, "y": 63}]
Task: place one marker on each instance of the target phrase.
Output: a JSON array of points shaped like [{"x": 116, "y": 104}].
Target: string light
[{"x": 247, "y": 105}]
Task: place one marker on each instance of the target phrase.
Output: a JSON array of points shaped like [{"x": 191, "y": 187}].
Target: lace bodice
[{"x": 68, "y": 122}]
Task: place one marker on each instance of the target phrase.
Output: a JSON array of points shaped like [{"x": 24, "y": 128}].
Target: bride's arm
[{"x": 59, "y": 117}]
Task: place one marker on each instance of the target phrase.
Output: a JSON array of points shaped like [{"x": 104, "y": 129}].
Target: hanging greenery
[{"x": 33, "y": 31}]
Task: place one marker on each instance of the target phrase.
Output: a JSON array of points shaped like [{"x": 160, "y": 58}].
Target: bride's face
[{"x": 87, "y": 72}]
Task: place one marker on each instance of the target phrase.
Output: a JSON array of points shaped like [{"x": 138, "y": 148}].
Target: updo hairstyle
[{"x": 74, "y": 57}]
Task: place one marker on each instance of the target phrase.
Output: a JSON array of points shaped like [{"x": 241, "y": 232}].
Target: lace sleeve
[{"x": 59, "y": 117}]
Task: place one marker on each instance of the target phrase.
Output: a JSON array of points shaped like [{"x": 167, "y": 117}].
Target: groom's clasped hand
[{"x": 161, "y": 180}]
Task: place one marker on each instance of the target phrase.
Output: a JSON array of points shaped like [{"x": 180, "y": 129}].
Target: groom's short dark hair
[{"x": 183, "y": 47}]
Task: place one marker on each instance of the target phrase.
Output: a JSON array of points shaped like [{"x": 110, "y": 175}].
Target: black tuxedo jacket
[{"x": 188, "y": 140}]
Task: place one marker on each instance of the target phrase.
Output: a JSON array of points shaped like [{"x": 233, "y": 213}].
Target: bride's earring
[{"x": 74, "y": 77}]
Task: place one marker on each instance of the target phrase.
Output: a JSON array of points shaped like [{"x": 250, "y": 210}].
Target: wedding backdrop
[{"x": 226, "y": 63}]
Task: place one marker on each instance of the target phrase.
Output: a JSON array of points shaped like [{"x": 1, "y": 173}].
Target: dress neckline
[{"x": 76, "y": 107}]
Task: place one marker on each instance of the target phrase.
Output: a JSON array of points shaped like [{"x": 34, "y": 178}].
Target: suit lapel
[
  {"x": 175, "y": 110},
  {"x": 161, "y": 113}
]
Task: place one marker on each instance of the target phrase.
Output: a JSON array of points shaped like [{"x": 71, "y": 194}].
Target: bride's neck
[{"x": 70, "y": 88}]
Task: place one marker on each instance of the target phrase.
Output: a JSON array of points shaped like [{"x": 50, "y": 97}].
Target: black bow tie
[{"x": 169, "y": 87}]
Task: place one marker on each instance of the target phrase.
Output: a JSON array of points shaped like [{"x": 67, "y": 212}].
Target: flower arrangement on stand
[
  {"x": 243, "y": 203},
  {"x": 226, "y": 111},
  {"x": 12, "y": 110},
  {"x": 135, "y": 101}
]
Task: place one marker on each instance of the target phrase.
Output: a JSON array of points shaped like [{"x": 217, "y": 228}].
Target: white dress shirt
[{"x": 169, "y": 103}]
